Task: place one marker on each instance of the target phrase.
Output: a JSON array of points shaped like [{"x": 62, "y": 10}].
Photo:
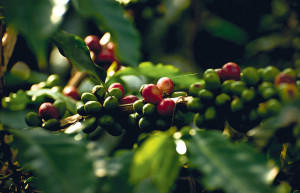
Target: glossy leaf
[
  {"x": 116, "y": 170},
  {"x": 157, "y": 160},
  {"x": 109, "y": 16},
  {"x": 154, "y": 72},
  {"x": 234, "y": 168},
  {"x": 59, "y": 162},
  {"x": 75, "y": 49},
  {"x": 36, "y": 21}
]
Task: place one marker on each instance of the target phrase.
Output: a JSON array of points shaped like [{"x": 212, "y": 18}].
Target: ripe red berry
[
  {"x": 105, "y": 56},
  {"x": 128, "y": 99},
  {"x": 166, "y": 85},
  {"x": 152, "y": 94},
  {"x": 284, "y": 78},
  {"x": 93, "y": 43},
  {"x": 117, "y": 85},
  {"x": 48, "y": 111},
  {"x": 230, "y": 71},
  {"x": 166, "y": 107},
  {"x": 72, "y": 92}
]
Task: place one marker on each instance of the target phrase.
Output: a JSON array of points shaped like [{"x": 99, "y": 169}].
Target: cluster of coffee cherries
[
  {"x": 101, "y": 108},
  {"x": 102, "y": 52},
  {"x": 156, "y": 111},
  {"x": 242, "y": 98}
]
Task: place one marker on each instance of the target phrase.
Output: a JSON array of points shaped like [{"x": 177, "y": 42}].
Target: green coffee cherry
[
  {"x": 116, "y": 92},
  {"x": 161, "y": 124},
  {"x": 53, "y": 80},
  {"x": 210, "y": 114},
  {"x": 138, "y": 106},
  {"x": 269, "y": 92},
  {"x": 248, "y": 95},
  {"x": 61, "y": 107},
  {"x": 273, "y": 107},
  {"x": 51, "y": 125},
  {"x": 106, "y": 120},
  {"x": 145, "y": 124},
  {"x": 80, "y": 110},
  {"x": 195, "y": 88},
  {"x": 195, "y": 104},
  {"x": 226, "y": 86},
  {"x": 149, "y": 109},
  {"x": 291, "y": 72},
  {"x": 92, "y": 107},
  {"x": 206, "y": 95},
  {"x": 212, "y": 81},
  {"x": 179, "y": 94},
  {"x": 269, "y": 73},
  {"x": 33, "y": 119},
  {"x": 86, "y": 96},
  {"x": 98, "y": 91},
  {"x": 111, "y": 103},
  {"x": 222, "y": 100},
  {"x": 237, "y": 87},
  {"x": 250, "y": 76}
]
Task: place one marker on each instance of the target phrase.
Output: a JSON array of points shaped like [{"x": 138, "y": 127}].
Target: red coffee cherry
[
  {"x": 93, "y": 43},
  {"x": 72, "y": 92},
  {"x": 284, "y": 78},
  {"x": 152, "y": 94},
  {"x": 128, "y": 99},
  {"x": 48, "y": 111},
  {"x": 166, "y": 85},
  {"x": 105, "y": 56},
  {"x": 166, "y": 107},
  {"x": 117, "y": 85},
  {"x": 230, "y": 71}
]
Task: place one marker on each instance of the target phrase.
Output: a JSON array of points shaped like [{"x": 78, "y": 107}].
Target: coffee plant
[{"x": 91, "y": 114}]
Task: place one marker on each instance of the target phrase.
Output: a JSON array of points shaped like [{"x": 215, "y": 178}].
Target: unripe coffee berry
[
  {"x": 115, "y": 92},
  {"x": 86, "y": 96},
  {"x": 152, "y": 94},
  {"x": 149, "y": 109},
  {"x": 166, "y": 85},
  {"x": 128, "y": 99},
  {"x": 72, "y": 92},
  {"x": 61, "y": 107},
  {"x": 98, "y": 91},
  {"x": 48, "y": 111},
  {"x": 92, "y": 107},
  {"x": 111, "y": 103},
  {"x": 51, "y": 125},
  {"x": 166, "y": 107},
  {"x": 138, "y": 106},
  {"x": 33, "y": 119},
  {"x": 117, "y": 85}
]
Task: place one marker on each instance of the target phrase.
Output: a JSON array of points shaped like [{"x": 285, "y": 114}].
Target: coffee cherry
[
  {"x": 61, "y": 107},
  {"x": 291, "y": 72},
  {"x": 93, "y": 43},
  {"x": 152, "y": 94},
  {"x": 199, "y": 120},
  {"x": 250, "y": 76},
  {"x": 48, "y": 111},
  {"x": 128, "y": 99},
  {"x": 98, "y": 91},
  {"x": 72, "y": 92},
  {"x": 178, "y": 94},
  {"x": 195, "y": 104},
  {"x": 111, "y": 103},
  {"x": 166, "y": 107},
  {"x": 166, "y": 85},
  {"x": 287, "y": 92},
  {"x": 161, "y": 124},
  {"x": 237, "y": 105},
  {"x": 226, "y": 86},
  {"x": 145, "y": 124},
  {"x": 51, "y": 125},
  {"x": 53, "y": 80},
  {"x": 230, "y": 71},
  {"x": 80, "y": 110},
  {"x": 248, "y": 95},
  {"x": 273, "y": 106},
  {"x": 92, "y": 107},
  {"x": 33, "y": 119},
  {"x": 206, "y": 96},
  {"x": 106, "y": 56},
  {"x": 114, "y": 130},
  {"x": 86, "y": 97},
  {"x": 269, "y": 73},
  {"x": 237, "y": 87},
  {"x": 117, "y": 85},
  {"x": 138, "y": 106},
  {"x": 195, "y": 88},
  {"x": 212, "y": 81},
  {"x": 222, "y": 100},
  {"x": 149, "y": 109},
  {"x": 210, "y": 114},
  {"x": 284, "y": 78},
  {"x": 89, "y": 124},
  {"x": 115, "y": 92}
]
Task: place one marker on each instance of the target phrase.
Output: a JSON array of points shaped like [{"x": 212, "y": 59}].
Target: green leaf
[
  {"x": 154, "y": 72},
  {"x": 117, "y": 172},
  {"x": 71, "y": 104},
  {"x": 58, "y": 161},
  {"x": 158, "y": 160},
  {"x": 8, "y": 118},
  {"x": 109, "y": 16},
  {"x": 226, "y": 30},
  {"x": 75, "y": 49},
  {"x": 234, "y": 168},
  {"x": 36, "y": 20}
]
